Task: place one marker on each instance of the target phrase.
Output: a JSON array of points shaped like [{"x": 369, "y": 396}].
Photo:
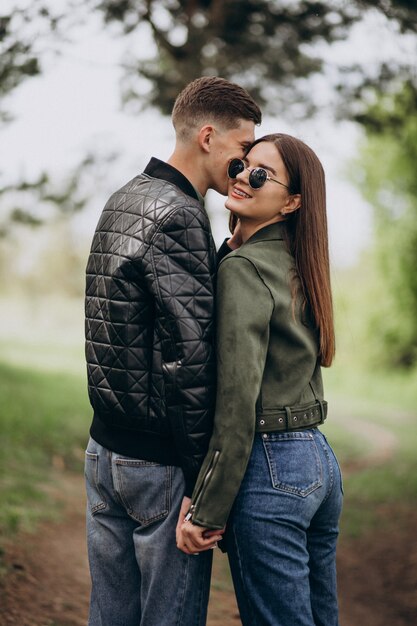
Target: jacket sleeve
[
  {"x": 244, "y": 309},
  {"x": 223, "y": 251},
  {"x": 183, "y": 267}
]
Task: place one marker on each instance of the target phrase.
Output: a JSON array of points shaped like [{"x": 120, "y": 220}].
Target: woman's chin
[{"x": 232, "y": 205}]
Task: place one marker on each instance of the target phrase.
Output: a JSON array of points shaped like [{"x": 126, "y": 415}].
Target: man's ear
[
  {"x": 293, "y": 203},
  {"x": 205, "y": 137}
]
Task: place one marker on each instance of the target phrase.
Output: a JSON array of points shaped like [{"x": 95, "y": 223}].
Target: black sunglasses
[{"x": 257, "y": 175}]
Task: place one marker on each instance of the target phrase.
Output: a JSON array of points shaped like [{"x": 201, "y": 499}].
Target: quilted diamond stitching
[{"x": 149, "y": 303}]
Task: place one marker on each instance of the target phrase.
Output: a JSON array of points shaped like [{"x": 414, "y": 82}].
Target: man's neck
[{"x": 186, "y": 163}]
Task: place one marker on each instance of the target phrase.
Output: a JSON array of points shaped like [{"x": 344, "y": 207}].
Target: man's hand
[
  {"x": 193, "y": 539},
  {"x": 185, "y": 507}
]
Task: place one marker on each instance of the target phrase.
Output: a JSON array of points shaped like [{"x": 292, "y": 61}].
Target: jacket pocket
[
  {"x": 170, "y": 372},
  {"x": 294, "y": 462}
]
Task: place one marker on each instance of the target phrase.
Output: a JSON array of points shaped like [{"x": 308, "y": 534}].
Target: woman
[{"x": 269, "y": 471}]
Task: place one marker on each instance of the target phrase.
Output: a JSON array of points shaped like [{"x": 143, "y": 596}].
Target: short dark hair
[{"x": 213, "y": 98}]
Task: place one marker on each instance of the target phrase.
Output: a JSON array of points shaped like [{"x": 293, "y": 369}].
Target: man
[{"x": 149, "y": 348}]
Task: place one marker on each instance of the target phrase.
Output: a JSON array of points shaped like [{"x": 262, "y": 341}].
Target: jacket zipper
[{"x": 203, "y": 486}]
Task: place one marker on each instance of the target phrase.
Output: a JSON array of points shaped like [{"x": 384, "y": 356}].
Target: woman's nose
[{"x": 243, "y": 175}]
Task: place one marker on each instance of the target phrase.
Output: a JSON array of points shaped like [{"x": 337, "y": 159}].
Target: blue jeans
[
  {"x": 139, "y": 577},
  {"x": 282, "y": 533}
]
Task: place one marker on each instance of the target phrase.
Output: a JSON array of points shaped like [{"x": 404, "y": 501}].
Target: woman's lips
[{"x": 237, "y": 192}]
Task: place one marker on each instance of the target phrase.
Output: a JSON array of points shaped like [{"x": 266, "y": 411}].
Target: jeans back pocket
[
  {"x": 294, "y": 462},
  {"x": 144, "y": 488}
]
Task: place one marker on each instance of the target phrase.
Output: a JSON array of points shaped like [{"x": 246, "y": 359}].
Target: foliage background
[{"x": 321, "y": 74}]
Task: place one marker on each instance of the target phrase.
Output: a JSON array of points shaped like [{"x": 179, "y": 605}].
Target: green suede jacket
[{"x": 266, "y": 360}]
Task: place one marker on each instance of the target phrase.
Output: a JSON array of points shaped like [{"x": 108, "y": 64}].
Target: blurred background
[{"x": 86, "y": 89}]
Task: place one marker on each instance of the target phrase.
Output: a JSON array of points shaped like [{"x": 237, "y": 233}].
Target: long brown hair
[{"x": 307, "y": 234}]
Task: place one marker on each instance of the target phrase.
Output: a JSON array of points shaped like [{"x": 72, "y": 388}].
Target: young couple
[{"x": 199, "y": 427}]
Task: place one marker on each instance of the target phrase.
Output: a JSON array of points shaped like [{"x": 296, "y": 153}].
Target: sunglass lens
[
  {"x": 236, "y": 166},
  {"x": 257, "y": 177}
]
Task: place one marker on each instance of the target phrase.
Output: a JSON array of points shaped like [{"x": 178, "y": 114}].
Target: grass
[
  {"x": 45, "y": 413},
  {"x": 44, "y": 426},
  {"x": 387, "y": 400},
  {"x": 45, "y": 416}
]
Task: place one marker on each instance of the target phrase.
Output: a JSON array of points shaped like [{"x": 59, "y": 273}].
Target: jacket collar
[
  {"x": 164, "y": 171},
  {"x": 268, "y": 233}
]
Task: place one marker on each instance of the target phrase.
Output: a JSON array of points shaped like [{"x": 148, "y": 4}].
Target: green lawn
[
  {"x": 44, "y": 426},
  {"x": 44, "y": 409},
  {"x": 386, "y": 401},
  {"x": 45, "y": 416}
]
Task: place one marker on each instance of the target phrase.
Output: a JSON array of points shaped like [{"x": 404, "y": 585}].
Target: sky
[{"x": 74, "y": 107}]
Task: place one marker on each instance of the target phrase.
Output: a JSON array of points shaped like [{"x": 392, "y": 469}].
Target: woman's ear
[
  {"x": 205, "y": 137},
  {"x": 293, "y": 203}
]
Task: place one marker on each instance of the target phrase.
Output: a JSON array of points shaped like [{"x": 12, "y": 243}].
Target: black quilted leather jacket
[{"x": 149, "y": 323}]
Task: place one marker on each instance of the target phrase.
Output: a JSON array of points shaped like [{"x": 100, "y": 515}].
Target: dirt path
[
  {"x": 48, "y": 582},
  {"x": 378, "y": 574}
]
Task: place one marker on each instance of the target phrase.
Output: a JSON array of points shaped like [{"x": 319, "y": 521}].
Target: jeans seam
[
  {"x": 337, "y": 465},
  {"x": 331, "y": 473},
  {"x": 103, "y": 504},
  {"x": 201, "y": 595},
  {"x": 184, "y": 587},
  {"x": 168, "y": 489},
  {"x": 242, "y": 579},
  {"x": 113, "y": 467}
]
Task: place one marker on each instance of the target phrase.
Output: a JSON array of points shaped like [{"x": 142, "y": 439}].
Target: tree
[
  {"x": 54, "y": 200},
  {"x": 21, "y": 31},
  {"x": 26, "y": 33},
  {"x": 386, "y": 174},
  {"x": 265, "y": 45}
]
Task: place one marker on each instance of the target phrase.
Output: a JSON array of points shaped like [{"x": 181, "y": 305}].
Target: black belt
[{"x": 295, "y": 418}]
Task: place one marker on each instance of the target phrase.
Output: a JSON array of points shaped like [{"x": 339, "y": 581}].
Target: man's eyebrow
[{"x": 245, "y": 144}]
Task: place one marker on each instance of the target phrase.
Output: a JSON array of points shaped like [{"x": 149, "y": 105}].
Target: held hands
[{"x": 193, "y": 539}]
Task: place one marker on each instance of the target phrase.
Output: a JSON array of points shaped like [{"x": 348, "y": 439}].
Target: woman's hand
[{"x": 193, "y": 539}]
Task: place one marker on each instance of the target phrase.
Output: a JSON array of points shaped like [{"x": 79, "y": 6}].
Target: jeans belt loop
[
  {"x": 287, "y": 417},
  {"x": 322, "y": 415}
]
